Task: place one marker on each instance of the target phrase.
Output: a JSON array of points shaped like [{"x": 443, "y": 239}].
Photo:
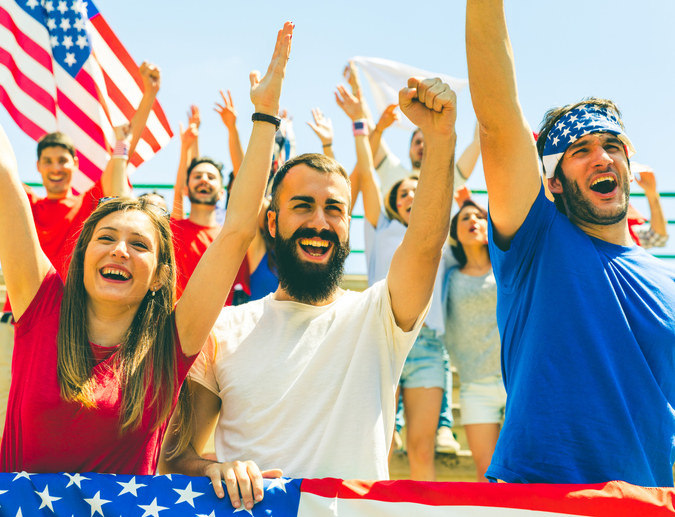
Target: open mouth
[
  {"x": 115, "y": 274},
  {"x": 315, "y": 247},
  {"x": 603, "y": 185}
]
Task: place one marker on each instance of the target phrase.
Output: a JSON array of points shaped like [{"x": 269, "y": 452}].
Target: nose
[
  {"x": 601, "y": 157},
  {"x": 120, "y": 250},
  {"x": 319, "y": 220}
]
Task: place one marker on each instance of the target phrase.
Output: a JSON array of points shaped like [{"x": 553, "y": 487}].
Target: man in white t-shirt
[{"x": 304, "y": 380}]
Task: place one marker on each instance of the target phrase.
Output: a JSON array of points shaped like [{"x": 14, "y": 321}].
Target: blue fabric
[
  {"x": 263, "y": 280},
  {"x": 588, "y": 357}
]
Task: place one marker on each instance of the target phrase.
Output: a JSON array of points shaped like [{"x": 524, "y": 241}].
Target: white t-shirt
[{"x": 308, "y": 389}]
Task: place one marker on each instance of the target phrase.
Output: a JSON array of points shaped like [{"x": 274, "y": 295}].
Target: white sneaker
[{"x": 445, "y": 441}]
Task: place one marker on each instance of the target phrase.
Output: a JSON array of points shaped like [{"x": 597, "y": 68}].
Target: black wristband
[{"x": 263, "y": 117}]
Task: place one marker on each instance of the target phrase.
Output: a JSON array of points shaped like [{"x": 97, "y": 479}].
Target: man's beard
[
  {"x": 211, "y": 201},
  {"x": 582, "y": 209},
  {"x": 308, "y": 282}
]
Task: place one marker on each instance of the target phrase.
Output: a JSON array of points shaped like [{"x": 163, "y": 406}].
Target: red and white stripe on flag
[
  {"x": 341, "y": 498},
  {"x": 63, "y": 69}
]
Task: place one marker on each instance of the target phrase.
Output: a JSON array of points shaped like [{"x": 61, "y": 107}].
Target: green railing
[{"x": 164, "y": 186}]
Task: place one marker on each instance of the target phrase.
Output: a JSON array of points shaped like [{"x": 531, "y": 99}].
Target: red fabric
[
  {"x": 634, "y": 222},
  {"x": 44, "y": 433},
  {"x": 59, "y": 222},
  {"x": 190, "y": 241}
]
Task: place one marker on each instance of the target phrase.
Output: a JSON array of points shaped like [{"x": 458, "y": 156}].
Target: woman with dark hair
[
  {"x": 471, "y": 333},
  {"x": 98, "y": 362}
]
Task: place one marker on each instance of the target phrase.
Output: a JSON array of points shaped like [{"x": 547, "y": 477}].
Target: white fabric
[
  {"x": 308, "y": 389},
  {"x": 385, "y": 78}
]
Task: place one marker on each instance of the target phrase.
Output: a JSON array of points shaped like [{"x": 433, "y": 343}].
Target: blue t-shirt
[
  {"x": 263, "y": 281},
  {"x": 588, "y": 357}
]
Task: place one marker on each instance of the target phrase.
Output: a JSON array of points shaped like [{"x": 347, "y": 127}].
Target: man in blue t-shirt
[{"x": 587, "y": 319}]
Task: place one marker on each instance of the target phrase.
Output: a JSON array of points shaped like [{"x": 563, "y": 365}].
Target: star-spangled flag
[
  {"x": 90, "y": 495},
  {"x": 63, "y": 69}
]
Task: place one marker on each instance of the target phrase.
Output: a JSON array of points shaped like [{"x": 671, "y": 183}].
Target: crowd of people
[{"x": 143, "y": 332}]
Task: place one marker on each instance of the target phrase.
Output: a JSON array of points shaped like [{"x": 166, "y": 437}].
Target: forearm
[
  {"x": 489, "y": 55},
  {"x": 236, "y": 149},
  {"x": 372, "y": 203},
  {"x": 140, "y": 119},
  {"x": 119, "y": 183},
  {"x": 374, "y": 139},
  {"x": 328, "y": 150},
  {"x": 177, "y": 211},
  {"x": 657, "y": 220},
  {"x": 468, "y": 159},
  {"x": 188, "y": 463},
  {"x": 430, "y": 217}
]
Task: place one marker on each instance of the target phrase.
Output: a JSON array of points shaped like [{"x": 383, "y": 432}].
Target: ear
[
  {"x": 161, "y": 277},
  {"x": 221, "y": 193},
  {"x": 554, "y": 185},
  {"x": 272, "y": 223},
  {"x": 76, "y": 161}
]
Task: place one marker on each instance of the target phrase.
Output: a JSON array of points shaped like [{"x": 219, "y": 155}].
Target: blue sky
[{"x": 564, "y": 51}]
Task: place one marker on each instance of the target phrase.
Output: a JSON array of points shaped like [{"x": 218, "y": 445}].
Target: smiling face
[
  {"x": 120, "y": 261},
  {"x": 405, "y": 195},
  {"x": 56, "y": 166},
  {"x": 472, "y": 226},
  {"x": 205, "y": 186},
  {"x": 595, "y": 180},
  {"x": 311, "y": 232}
]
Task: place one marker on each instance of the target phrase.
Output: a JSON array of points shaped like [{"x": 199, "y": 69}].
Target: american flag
[
  {"x": 63, "y": 69},
  {"x": 90, "y": 495}
]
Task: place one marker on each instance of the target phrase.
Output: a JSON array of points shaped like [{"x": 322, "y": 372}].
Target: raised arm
[
  {"x": 188, "y": 137},
  {"x": 365, "y": 170},
  {"x": 507, "y": 145},
  {"x": 24, "y": 264},
  {"x": 466, "y": 162},
  {"x": 323, "y": 128},
  {"x": 657, "y": 221},
  {"x": 151, "y": 77},
  {"x": 430, "y": 105},
  {"x": 229, "y": 117},
  {"x": 212, "y": 279},
  {"x": 388, "y": 117}
]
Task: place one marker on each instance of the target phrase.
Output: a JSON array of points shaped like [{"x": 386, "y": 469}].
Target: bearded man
[
  {"x": 586, "y": 318},
  {"x": 305, "y": 378},
  {"x": 192, "y": 236}
]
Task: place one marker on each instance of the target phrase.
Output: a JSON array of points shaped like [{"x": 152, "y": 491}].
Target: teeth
[
  {"x": 600, "y": 180},
  {"x": 113, "y": 271},
  {"x": 317, "y": 243}
]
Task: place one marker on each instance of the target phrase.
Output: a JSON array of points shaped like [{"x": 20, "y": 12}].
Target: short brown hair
[
  {"x": 56, "y": 139},
  {"x": 318, "y": 162}
]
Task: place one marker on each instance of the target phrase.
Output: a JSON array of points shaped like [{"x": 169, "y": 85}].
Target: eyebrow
[
  {"x": 117, "y": 230},
  {"x": 609, "y": 139}
]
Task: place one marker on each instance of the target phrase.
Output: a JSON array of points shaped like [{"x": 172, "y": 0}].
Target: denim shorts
[
  {"x": 424, "y": 366},
  {"x": 483, "y": 401}
]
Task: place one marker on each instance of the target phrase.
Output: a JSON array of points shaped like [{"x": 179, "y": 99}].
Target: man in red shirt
[
  {"x": 59, "y": 215},
  {"x": 192, "y": 236}
]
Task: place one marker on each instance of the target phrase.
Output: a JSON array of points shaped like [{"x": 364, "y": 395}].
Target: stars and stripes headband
[{"x": 580, "y": 121}]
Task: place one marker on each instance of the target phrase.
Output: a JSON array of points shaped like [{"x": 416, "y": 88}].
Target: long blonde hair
[{"x": 147, "y": 354}]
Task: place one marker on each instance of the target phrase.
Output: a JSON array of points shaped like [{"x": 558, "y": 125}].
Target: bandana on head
[{"x": 576, "y": 123}]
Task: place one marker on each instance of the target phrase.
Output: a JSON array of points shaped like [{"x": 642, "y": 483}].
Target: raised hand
[
  {"x": 322, "y": 126},
  {"x": 350, "y": 104},
  {"x": 388, "y": 117},
  {"x": 352, "y": 77},
  {"x": 265, "y": 92},
  {"x": 194, "y": 117},
  {"x": 463, "y": 194},
  {"x": 430, "y": 104},
  {"x": 150, "y": 76},
  {"x": 188, "y": 135},
  {"x": 226, "y": 110},
  {"x": 123, "y": 133},
  {"x": 645, "y": 177}
]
